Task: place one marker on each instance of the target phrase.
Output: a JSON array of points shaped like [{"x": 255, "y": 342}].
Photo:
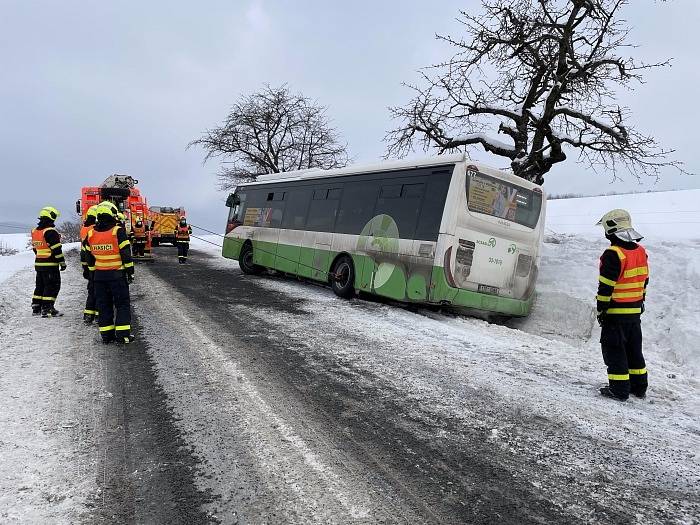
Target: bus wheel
[
  {"x": 343, "y": 277},
  {"x": 245, "y": 261}
]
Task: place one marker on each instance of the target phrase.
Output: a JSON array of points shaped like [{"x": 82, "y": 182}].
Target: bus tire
[
  {"x": 343, "y": 278},
  {"x": 245, "y": 261}
]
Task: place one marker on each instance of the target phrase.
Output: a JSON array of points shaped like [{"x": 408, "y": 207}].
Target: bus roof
[
  {"x": 437, "y": 160},
  {"x": 313, "y": 173}
]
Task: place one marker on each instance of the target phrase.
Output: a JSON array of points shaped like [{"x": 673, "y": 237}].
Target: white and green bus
[{"x": 444, "y": 230}]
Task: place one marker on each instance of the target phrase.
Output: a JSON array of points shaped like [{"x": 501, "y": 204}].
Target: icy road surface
[{"x": 267, "y": 400}]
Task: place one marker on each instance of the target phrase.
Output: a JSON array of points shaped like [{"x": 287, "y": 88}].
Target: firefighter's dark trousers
[
  {"x": 112, "y": 297},
  {"x": 621, "y": 342},
  {"x": 182, "y": 248},
  {"x": 90, "y": 304},
  {"x": 139, "y": 246},
  {"x": 48, "y": 284}
]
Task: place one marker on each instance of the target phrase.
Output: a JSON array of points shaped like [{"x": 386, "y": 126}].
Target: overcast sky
[{"x": 94, "y": 88}]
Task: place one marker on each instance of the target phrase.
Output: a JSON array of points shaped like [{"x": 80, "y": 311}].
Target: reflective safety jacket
[
  {"x": 84, "y": 231},
  {"x": 46, "y": 243},
  {"x": 182, "y": 234},
  {"x": 139, "y": 232},
  {"x": 108, "y": 252},
  {"x": 624, "y": 275}
]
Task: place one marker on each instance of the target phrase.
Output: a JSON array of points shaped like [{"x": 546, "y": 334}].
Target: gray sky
[{"x": 94, "y": 88}]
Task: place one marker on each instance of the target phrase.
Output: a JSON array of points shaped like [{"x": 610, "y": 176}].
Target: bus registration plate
[{"x": 485, "y": 288}]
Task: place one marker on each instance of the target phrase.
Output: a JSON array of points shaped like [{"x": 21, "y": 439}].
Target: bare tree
[
  {"x": 272, "y": 131},
  {"x": 70, "y": 230},
  {"x": 543, "y": 74}
]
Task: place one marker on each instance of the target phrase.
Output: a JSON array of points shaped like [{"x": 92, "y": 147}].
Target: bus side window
[
  {"x": 357, "y": 206},
  {"x": 298, "y": 200},
  {"x": 433, "y": 207},
  {"x": 402, "y": 203},
  {"x": 323, "y": 210}
]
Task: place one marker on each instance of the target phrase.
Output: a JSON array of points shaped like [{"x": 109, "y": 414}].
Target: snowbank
[
  {"x": 660, "y": 215},
  {"x": 11, "y": 264},
  {"x": 18, "y": 241}
]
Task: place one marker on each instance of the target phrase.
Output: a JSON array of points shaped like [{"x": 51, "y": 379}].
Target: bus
[{"x": 443, "y": 230}]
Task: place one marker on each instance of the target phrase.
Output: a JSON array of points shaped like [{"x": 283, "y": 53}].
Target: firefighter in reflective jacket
[
  {"x": 182, "y": 236},
  {"x": 109, "y": 258},
  {"x": 49, "y": 260},
  {"x": 90, "y": 310},
  {"x": 622, "y": 284},
  {"x": 139, "y": 233}
]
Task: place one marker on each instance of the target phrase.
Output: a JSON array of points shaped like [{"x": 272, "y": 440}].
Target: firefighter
[
  {"x": 109, "y": 258},
  {"x": 622, "y": 284},
  {"x": 139, "y": 233},
  {"x": 49, "y": 261},
  {"x": 182, "y": 236},
  {"x": 90, "y": 310}
]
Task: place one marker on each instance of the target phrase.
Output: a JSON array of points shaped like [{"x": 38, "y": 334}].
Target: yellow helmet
[
  {"x": 110, "y": 205},
  {"x": 104, "y": 209},
  {"x": 92, "y": 211},
  {"x": 49, "y": 212}
]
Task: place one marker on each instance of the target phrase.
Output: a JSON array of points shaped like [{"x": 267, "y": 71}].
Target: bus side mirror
[
  {"x": 77, "y": 207},
  {"x": 232, "y": 200}
]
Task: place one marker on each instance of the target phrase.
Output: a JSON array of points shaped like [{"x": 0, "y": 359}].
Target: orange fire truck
[
  {"x": 164, "y": 221},
  {"x": 122, "y": 191}
]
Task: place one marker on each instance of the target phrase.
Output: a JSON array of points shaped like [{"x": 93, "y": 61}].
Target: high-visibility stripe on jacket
[
  {"x": 104, "y": 247},
  {"x": 629, "y": 289},
  {"x": 46, "y": 255}
]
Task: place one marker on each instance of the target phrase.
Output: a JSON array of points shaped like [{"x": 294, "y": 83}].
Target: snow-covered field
[{"x": 547, "y": 365}]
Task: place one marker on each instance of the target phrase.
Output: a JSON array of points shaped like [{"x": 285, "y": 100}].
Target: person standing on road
[
  {"x": 139, "y": 233},
  {"x": 622, "y": 284},
  {"x": 182, "y": 236},
  {"x": 49, "y": 261},
  {"x": 90, "y": 310},
  {"x": 109, "y": 258}
]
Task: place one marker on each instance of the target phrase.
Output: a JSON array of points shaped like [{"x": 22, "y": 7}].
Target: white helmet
[{"x": 619, "y": 223}]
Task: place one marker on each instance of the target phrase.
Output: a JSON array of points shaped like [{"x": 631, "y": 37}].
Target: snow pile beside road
[
  {"x": 11, "y": 264},
  {"x": 565, "y": 305},
  {"x": 660, "y": 215},
  {"x": 567, "y": 284},
  {"x": 18, "y": 241}
]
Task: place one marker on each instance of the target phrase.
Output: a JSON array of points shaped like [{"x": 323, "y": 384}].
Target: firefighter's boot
[
  {"x": 124, "y": 339},
  {"x": 606, "y": 392},
  {"x": 36, "y": 309},
  {"x": 51, "y": 312}
]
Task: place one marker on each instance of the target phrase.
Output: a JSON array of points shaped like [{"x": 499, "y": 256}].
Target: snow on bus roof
[{"x": 437, "y": 160}]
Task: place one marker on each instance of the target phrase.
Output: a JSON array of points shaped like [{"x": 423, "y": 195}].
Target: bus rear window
[{"x": 498, "y": 198}]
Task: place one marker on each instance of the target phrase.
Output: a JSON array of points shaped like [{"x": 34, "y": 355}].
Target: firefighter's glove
[
  {"x": 63, "y": 267},
  {"x": 130, "y": 278},
  {"x": 86, "y": 273},
  {"x": 601, "y": 318}
]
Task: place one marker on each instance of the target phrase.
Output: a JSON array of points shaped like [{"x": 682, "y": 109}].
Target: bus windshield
[{"x": 498, "y": 198}]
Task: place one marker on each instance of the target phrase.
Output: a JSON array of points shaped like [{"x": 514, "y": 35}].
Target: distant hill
[{"x": 14, "y": 227}]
